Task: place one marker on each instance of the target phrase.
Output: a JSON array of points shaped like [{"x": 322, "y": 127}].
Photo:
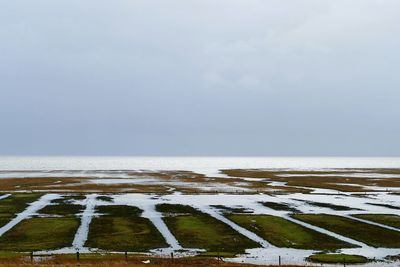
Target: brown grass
[
  {"x": 169, "y": 179},
  {"x": 120, "y": 261},
  {"x": 341, "y": 183}
]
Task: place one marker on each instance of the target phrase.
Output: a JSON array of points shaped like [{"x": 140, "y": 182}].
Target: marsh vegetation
[{"x": 233, "y": 215}]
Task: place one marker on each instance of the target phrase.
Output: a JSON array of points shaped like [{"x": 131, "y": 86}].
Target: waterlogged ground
[
  {"x": 252, "y": 215},
  {"x": 240, "y": 181}
]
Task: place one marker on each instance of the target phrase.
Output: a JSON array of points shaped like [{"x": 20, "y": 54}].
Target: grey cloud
[{"x": 199, "y": 77}]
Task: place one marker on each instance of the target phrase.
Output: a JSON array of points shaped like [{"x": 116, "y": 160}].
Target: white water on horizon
[{"x": 205, "y": 165}]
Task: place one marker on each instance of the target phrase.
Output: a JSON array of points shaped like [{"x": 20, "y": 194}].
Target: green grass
[
  {"x": 105, "y": 198},
  {"x": 280, "y": 206},
  {"x": 120, "y": 228},
  {"x": 337, "y": 258},
  {"x": 40, "y": 234},
  {"x": 176, "y": 209},
  {"x": 194, "y": 229},
  {"x": 15, "y": 204},
  {"x": 69, "y": 199},
  {"x": 393, "y": 257},
  {"x": 369, "y": 234},
  {"x": 387, "y": 219},
  {"x": 62, "y": 209},
  {"x": 284, "y": 233},
  {"x": 326, "y": 205},
  {"x": 226, "y": 209},
  {"x": 385, "y": 206},
  {"x": 11, "y": 254}
]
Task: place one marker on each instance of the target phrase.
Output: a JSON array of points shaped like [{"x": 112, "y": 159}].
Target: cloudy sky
[{"x": 200, "y": 77}]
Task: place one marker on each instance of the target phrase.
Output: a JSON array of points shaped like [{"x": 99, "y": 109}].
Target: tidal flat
[{"x": 242, "y": 215}]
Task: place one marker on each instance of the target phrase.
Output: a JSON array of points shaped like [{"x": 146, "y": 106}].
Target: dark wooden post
[
  {"x": 77, "y": 255},
  {"x": 126, "y": 255},
  {"x": 172, "y": 255},
  {"x": 279, "y": 260},
  {"x": 31, "y": 255},
  {"x": 344, "y": 262}
]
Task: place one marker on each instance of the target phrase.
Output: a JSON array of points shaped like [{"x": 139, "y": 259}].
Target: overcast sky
[{"x": 200, "y": 77}]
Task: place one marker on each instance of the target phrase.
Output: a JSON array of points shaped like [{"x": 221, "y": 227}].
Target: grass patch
[
  {"x": 385, "y": 206},
  {"x": 36, "y": 183},
  {"x": 393, "y": 257},
  {"x": 237, "y": 210},
  {"x": 337, "y": 258},
  {"x": 369, "y": 234},
  {"x": 15, "y": 204},
  {"x": 40, "y": 234},
  {"x": 105, "y": 198},
  {"x": 284, "y": 233},
  {"x": 69, "y": 199},
  {"x": 64, "y": 207},
  {"x": 387, "y": 219},
  {"x": 62, "y": 210},
  {"x": 326, "y": 205},
  {"x": 176, "y": 209},
  {"x": 280, "y": 206},
  {"x": 120, "y": 228},
  {"x": 194, "y": 229}
]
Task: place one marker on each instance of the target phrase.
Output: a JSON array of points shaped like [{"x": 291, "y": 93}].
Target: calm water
[{"x": 207, "y": 165}]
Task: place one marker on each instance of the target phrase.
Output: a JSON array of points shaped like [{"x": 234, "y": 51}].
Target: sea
[{"x": 205, "y": 165}]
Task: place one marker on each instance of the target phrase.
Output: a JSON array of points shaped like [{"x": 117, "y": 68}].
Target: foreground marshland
[
  {"x": 116, "y": 260},
  {"x": 252, "y": 216},
  {"x": 126, "y": 230}
]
